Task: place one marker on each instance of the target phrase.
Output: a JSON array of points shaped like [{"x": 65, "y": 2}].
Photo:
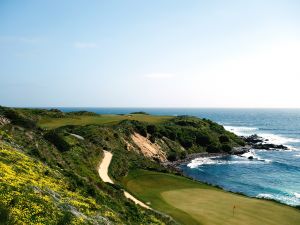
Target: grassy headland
[
  {"x": 51, "y": 123},
  {"x": 70, "y": 146}
]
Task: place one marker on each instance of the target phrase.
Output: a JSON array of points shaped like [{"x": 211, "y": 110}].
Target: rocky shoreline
[
  {"x": 252, "y": 142},
  {"x": 257, "y": 142}
]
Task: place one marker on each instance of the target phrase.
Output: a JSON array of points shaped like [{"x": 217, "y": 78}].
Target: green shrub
[
  {"x": 182, "y": 155},
  {"x": 152, "y": 138},
  {"x": 151, "y": 129},
  {"x": 18, "y": 119},
  {"x": 172, "y": 156},
  {"x": 226, "y": 148},
  {"x": 186, "y": 142},
  {"x": 202, "y": 140},
  {"x": 171, "y": 134},
  {"x": 212, "y": 148},
  {"x": 66, "y": 218},
  {"x": 140, "y": 112},
  {"x": 141, "y": 130},
  {"x": 4, "y": 215},
  {"x": 57, "y": 140},
  {"x": 224, "y": 139}
]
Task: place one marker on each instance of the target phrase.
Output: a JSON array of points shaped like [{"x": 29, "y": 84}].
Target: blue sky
[{"x": 165, "y": 53}]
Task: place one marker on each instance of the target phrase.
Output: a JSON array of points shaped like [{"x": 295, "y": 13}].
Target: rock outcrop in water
[{"x": 257, "y": 142}]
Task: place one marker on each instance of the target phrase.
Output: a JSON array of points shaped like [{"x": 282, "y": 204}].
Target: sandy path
[
  {"x": 103, "y": 173},
  {"x": 103, "y": 168}
]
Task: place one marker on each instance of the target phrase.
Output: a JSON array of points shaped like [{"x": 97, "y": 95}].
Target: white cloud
[
  {"x": 85, "y": 45},
  {"x": 159, "y": 75}
]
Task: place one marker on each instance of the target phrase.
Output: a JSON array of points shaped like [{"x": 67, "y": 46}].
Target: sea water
[{"x": 270, "y": 174}]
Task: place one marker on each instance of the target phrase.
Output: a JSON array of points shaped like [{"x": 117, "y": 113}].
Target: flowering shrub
[{"x": 35, "y": 194}]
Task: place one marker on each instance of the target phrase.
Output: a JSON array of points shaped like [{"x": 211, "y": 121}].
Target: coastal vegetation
[
  {"x": 83, "y": 119},
  {"x": 49, "y": 161},
  {"x": 32, "y": 193}
]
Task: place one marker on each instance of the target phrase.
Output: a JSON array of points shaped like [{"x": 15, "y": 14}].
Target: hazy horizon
[
  {"x": 148, "y": 107},
  {"x": 153, "y": 54}
]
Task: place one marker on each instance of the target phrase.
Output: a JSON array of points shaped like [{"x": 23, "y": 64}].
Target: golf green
[{"x": 190, "y": 202}]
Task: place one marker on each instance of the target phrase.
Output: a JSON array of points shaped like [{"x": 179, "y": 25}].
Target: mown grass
[
  {"x": 190, "y": 202},
  {"x": 52, "y": 123}
]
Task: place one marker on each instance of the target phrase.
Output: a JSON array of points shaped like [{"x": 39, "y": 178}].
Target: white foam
[
  {"x": 265, "y": 195},
  {"x": 252, "y": 154},
  {"x": 272, "y": 138},
  {"x": 195, "y": 163},
  {"x": 297, "y": 195},
  {"x": 298, "y": 155},
  {"x": 290, "y": 199},
  {"x": 242, "y": 131},
  {"x": 249, "y": 154},
  {"x": 200, "y": 161},
  {"x": 278, "y": 140}
]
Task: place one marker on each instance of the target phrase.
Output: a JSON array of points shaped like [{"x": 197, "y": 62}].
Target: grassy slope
[
  {"x": 51, "y": 123},
  {"x": 36, "y": 194},
  {"x": 79, "y": 161},
  {"x": 77, "y": 167},
  {"x": 192, "y": 202},
  {"x": 29, "y": 190}
]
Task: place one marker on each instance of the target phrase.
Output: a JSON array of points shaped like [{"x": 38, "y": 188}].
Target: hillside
[{"x": 58, "y": 155}]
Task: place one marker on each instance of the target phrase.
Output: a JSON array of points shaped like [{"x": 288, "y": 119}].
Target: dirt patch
[
  {"x": 149, "y": 149},
  {"x": 129, "y": 146}
]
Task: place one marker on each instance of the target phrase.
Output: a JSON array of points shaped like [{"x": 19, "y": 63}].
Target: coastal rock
[
  {"x": 257, "y": 142},
  {"x": 270, "y": 146},
  {"x": 240, "y": 150},
  {"x": 253, "y": 139}
]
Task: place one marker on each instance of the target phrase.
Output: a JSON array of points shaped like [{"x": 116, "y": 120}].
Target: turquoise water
[{"x": 272, "y": 174}]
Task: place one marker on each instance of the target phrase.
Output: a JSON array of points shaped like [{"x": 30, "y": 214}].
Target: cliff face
[{"x": 54, "y": 171}]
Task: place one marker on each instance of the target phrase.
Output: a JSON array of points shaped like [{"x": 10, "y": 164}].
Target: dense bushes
[
  {"x": 57, "y": 140},
  {"x": 82, "y": 113},
  {"x": 172, "y": 156},
  {"x": 226, "y": 148},
  {"x": 17, "y": 118},
  {"x": 224, "y": 139},
  {"x": 4, "y": 215},
  {"x": 192, "y": 133},
  {"x": 141, "y": 130},
  {"x": 140, "y": 112},
  {"x": 203, "y": 140},
  {"x": 151, "y": 129},
  {"x": 119, "y": 165},
  {"x": 212, "y": 148}
]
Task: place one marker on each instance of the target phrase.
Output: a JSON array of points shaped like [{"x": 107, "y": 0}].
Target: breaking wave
[
  {"x": 195, "y": 163},
  {"x": 270, "y": 138},
  {"x": 242, "y": 131}
]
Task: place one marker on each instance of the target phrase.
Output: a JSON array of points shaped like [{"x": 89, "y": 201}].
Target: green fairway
[
  {"x": 51, "y": 123},
  {"x": 190, "y": 202}
]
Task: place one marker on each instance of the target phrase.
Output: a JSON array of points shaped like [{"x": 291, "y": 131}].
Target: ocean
[{"x": 271, "y": 174}]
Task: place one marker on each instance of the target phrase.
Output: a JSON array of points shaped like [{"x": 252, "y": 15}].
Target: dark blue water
[{"x": 272, "y": 174}]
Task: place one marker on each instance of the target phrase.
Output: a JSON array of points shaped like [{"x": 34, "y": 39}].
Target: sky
[{"x": 158, "y": 53}]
